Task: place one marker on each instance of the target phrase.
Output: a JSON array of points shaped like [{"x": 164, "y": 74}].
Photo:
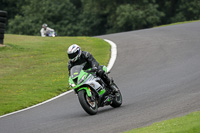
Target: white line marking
[
  {"x": 110, "y": 65},
  {"x": 113, "y": 54},
  {"x": 37, "y": 104}
]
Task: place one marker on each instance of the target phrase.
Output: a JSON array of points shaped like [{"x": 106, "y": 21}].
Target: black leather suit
[{"x": 89, "y": 61}]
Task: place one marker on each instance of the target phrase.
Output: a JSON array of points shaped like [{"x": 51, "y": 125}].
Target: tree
[
  {"x": 187, "y": 10},
  {"x": 136, "y": 16},
  {"x": 13, "y": 7},
  {"x": 58, "y": 14},
  {"x": 95, "y": 17}
]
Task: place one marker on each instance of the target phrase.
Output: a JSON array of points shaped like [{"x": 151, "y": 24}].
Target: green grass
[
  {"x": 186, "y": 124},
  {"x": 34, "y": 69}
]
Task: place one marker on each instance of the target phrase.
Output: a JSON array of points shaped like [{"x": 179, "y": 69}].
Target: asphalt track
[{"x": 158, "y": 71}]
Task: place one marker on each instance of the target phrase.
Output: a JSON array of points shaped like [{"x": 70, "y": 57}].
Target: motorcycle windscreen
[{"x": 75, "y": 71}]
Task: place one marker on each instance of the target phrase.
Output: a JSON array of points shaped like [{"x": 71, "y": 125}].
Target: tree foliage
[
  {"x": 58, "y": 14},
  {"x": 131, "y": 17},
  {"x": 187, "y": 11},
  {"x": 95, "y": 17}
]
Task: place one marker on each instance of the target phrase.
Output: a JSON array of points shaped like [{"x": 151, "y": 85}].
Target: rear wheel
[
  {"x": 88, "y": 105},
  {"x": 3, "y": 19},
  {"x": 117, "y": 101},
  {"x": 3, "y": 14},
  {"x": 2, "y": 31},
  {"x": 2, "y": 25}
]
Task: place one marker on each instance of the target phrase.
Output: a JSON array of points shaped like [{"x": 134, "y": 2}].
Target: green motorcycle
[{"x": 92, "y": 92}]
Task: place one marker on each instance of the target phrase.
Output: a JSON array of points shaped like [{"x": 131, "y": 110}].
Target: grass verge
[
  {"x": 177, "y": 23},
  {"x": 185, "y": 124},
  {"x": 34, "y": 69}
]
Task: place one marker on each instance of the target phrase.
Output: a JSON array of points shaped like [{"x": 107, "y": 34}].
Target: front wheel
[{"x": 89, "y": 106}]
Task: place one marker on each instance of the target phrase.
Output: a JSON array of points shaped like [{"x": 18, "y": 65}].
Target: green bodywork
[
  {"x": 81, "y": 76},
  {"x": 105, "y": 68},
  {"x": 102, "y": 92}
]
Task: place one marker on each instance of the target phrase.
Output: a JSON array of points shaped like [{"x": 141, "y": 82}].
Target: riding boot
[
  {"x": 110, "y": 83},
  {"x": 113, "y": 88}
]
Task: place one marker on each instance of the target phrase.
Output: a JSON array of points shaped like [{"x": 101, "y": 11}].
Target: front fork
[{"x": 87, "y": 89}]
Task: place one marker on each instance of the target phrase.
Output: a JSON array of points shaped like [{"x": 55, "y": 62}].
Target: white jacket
[{"x": 45, "y": 32}]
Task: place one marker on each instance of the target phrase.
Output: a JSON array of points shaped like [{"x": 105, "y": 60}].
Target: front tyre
[{"x": 86, "y": 103}]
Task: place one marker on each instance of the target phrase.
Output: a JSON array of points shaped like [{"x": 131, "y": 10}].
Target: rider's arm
[
  {"x": 69, "y": 67},
  {"x": 49, "y": 29}
]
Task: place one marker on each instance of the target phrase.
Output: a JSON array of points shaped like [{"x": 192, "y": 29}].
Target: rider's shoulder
[{"x": 86, "y": 54}]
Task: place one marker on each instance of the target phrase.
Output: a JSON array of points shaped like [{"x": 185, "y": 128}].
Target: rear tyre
[
  {"x": 3, "y": 19},
  {"x": 86, "y": 103},
  {"x": 117, "y": 101},
  {"x": 2, "y": 25},
  {"x": 1, "y": 41},
  {"x": 1, "y": 36},
  {"x": 2, "y": 31},
  {"x": 3, "y": 13}
]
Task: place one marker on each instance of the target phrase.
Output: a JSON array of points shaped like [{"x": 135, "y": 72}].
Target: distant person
[{"x": 46, "y": 31}]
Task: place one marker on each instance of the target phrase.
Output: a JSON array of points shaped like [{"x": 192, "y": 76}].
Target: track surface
[{"x": 158, "y": 71}]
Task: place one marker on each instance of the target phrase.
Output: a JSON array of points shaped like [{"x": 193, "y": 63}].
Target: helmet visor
[{"x": 73, "y": 55}]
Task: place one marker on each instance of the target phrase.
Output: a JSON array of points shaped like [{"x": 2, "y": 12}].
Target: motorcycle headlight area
[{"x": 72, "y": 85}]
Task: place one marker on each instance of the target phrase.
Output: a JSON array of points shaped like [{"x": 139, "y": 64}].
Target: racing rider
[{"x": 78, "y": 57}]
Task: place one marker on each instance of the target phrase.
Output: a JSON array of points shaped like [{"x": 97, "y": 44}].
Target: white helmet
[
  {"x": 74, "y": 52},
  {"x": 44, "y": 25}
]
